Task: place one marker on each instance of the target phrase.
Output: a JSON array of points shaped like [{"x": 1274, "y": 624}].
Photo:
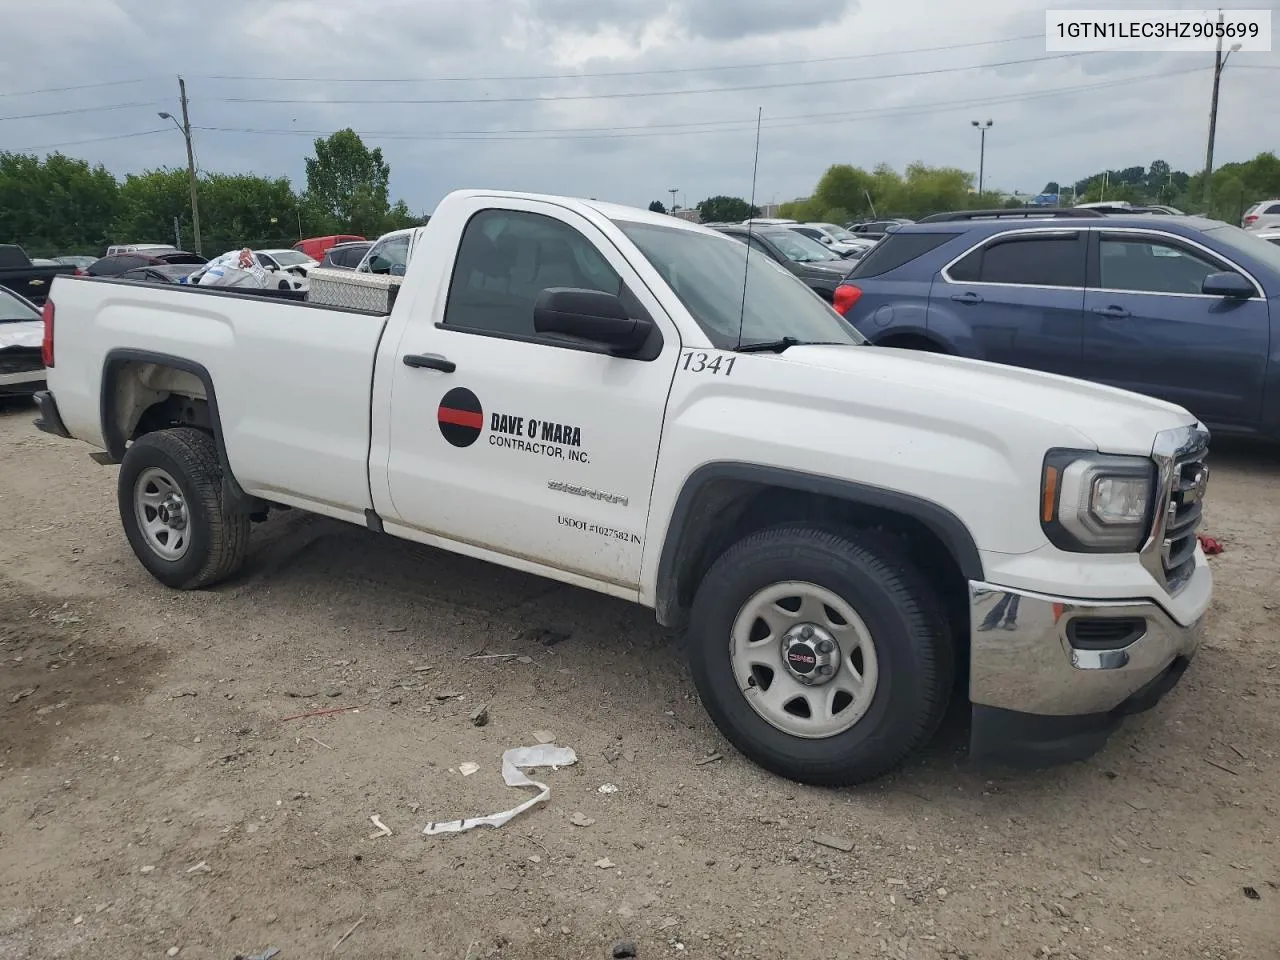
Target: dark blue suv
[{"x": 1180, "y": 308}]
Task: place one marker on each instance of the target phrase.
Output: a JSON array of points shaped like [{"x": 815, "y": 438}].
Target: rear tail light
[
  {"x": 845, "y": 297},
  {"x": 46, "y": 345},
  {"x": 1251, "y": 218}
]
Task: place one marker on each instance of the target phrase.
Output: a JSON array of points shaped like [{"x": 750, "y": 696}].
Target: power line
[
  {"x": 630, "y": 73},
  {"x": 99, "y": 109},
  {"x": 78, "y": 86},
  {"x": 115, "y": 136},
  {"x": 705, "y": 126},
  {"x": 653, "y": 93}
]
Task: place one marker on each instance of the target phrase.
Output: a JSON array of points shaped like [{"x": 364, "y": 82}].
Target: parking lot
[{"x": 153, "y": 795}]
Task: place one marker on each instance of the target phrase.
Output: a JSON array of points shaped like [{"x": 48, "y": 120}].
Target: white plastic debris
[
  {"x": 514, "y": 762},
  {"x": 383, "y": 829},
  {"x": 468, "y": 768},
  {"x": 608, "y": 788}
]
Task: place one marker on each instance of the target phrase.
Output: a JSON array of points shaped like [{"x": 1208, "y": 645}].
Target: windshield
[
  {"x": 1248, "y": 243},
  {"x": 838, "y": 233},
  {"x": 13, "y": 309},
  {"x": 706, "y": 272},
  {"x": 798, "y": 248},
  {"x": 290, "y": 258}
]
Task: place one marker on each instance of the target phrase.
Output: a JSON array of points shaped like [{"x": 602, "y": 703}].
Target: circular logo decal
[
  {"x": 802, "y": 658},
  {"x": 460, "y": 416}
]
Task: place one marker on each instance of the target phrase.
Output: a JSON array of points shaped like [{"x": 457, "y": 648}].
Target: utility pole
[
  {"x": 191, "y": 164},
  {"x": 673, "y": 191},
  {"x": 185, "y": 129},
  {"x": 1219, "y": 62},
  {"x": 982, "y": 150}
]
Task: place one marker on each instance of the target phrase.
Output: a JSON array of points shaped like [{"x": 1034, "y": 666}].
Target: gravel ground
[{"x": 153, "y": 796}]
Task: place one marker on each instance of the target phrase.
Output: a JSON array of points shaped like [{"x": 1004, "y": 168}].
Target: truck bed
[{"x": 293, "y": 378}]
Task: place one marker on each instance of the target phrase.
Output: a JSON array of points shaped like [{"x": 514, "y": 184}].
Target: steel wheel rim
[
  {"x": 776, "y": 616},
  {"x": 161, "y": 512}
]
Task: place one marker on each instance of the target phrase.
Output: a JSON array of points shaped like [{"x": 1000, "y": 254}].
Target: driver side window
[{"x": 507, "y": 257}]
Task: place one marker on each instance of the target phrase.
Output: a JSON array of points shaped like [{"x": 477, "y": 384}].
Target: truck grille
[
  {"x": 1170, "y": 552},
  {"x": 20, "y": 361}
]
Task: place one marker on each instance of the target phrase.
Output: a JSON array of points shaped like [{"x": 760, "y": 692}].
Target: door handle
[
  {"x": 969, "y": 297},
  {"x": 429, "y": 361},
  {"x": 1112, "y": 311}
]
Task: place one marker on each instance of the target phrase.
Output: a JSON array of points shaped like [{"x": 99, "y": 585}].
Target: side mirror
[
  {"x": 1227, "y": 284},
  {"x": 590, "y": 315},
  {"x": 379, "y": 264},
  {"x": 397, "y": 269},
  {"x": 827, "y": 240}
]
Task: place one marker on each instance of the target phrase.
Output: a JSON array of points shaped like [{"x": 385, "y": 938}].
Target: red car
[{"x": 317, "y": 247}]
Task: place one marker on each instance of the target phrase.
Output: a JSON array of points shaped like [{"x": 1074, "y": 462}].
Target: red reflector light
[
  {"x": 845, "y": 297},
  {"x": 46, "y": 345}
]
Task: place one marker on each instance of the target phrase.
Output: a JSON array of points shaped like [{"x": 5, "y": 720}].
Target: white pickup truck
[{"x": 848, "y": 535}]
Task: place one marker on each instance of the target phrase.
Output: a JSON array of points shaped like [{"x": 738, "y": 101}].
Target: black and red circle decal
[{"x": 460, "y": 416}]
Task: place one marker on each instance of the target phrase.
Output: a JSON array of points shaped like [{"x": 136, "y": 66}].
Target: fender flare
[
  {"x": 677, "y": 547},
  {"x": 116, "y": 442}
]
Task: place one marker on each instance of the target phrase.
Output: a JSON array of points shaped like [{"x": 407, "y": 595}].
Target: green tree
[
  {"x": 348, "y": 182},
  {"x": 722, "y": 209},
  {"x": 657, "y": 206},
  {"x": 55, "y": 206}
]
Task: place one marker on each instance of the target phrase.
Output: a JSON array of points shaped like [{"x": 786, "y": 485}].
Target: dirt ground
[{"x": 153, "y": 795}]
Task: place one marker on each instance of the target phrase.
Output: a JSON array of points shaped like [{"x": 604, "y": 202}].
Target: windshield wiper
[{"x": 782, "y": 343}]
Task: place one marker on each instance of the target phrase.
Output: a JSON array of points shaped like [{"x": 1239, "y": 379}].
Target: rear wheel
[
  {"x": 173, "y": 512},
  {"x": 823, "y": 657}
]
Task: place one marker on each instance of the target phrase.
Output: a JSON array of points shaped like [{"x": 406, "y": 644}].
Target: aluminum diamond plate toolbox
[{"x": 354, "y": 291}]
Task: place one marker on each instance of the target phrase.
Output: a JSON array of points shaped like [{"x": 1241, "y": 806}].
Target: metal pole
[
  {"x": 1213, "y": 126},
  {"x": 982, "y": 158},
  {"x": 177, "y": 234},
  {"x": 191, "y": 165}
]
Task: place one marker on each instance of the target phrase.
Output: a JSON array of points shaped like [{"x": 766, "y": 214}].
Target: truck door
[{"x": 505, "y": 440}]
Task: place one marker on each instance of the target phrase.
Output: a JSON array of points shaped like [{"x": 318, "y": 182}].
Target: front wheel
[
  {"x": 172, "y": 509},
  {"x": 823, "y": 657}
]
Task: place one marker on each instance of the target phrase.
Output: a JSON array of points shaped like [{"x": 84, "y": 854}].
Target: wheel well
[
  {"x": 913, "y": 341},
  {"x": 726, "y": 510}
]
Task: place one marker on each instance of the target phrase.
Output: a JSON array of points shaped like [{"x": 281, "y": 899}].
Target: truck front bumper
[{"x": 1051, "y": 677}]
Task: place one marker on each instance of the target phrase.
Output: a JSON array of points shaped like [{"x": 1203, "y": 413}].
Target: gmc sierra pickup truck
[{"x": 622, "y": 401}]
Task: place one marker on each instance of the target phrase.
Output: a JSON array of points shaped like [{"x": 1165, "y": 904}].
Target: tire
[
  {"x": 905, "y": 669},
  {"x": 211, "y": 543}
]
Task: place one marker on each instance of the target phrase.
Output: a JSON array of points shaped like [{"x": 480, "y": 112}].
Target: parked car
[
  {"x": 1180, "y": 308},
  {"x": 837, "y": 239},
  {"x": 79, "y": 261},
  {"x": 28, "y": 279},
  {"x": 153, "y": 248},
  {"x": 116, "y": 264},
  {"x": 389, "y": 254},
  {"x": 1271, "y": 236},
  {"x": 875, "y": 229},
  {"x": 1262, "y": 216},
  {"x": 316, "y": 247},
  {"x": 286, "y": 260},
  {"x": 346, "y": 256},
  {"x": 820, "y": 268},
  {"x": 21, "y": 337},
  {"x": 161, "y": 272},
  {"x": 581, "y": 390}
]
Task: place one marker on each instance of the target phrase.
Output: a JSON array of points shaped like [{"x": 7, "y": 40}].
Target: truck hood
[{"x": 1114, "y": 420}]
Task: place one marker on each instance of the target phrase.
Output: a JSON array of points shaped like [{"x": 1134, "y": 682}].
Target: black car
[
  {"x": 161, "y": 272},
  {"x": 114, "y": 266},
  {"x": 346, "y": 256},
  {"x": 809, "y": 260},
  {"x": 876, "y": 229},
  {"x": 25, "y": 277}
]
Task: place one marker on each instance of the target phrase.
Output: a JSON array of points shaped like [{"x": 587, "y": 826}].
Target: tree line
[{"x": 62, "y": 205}]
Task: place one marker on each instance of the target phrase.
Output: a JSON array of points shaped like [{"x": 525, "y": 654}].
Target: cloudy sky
[{"x": 615, "y": 99}]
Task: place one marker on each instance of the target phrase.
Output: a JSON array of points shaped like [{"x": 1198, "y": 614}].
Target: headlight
[{"x": 1095, "y": 503}]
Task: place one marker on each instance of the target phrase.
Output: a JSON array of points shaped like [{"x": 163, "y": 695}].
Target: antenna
[{"x": 755, "y": 168}]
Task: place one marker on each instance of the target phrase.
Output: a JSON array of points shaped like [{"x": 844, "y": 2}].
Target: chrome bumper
[{"x": 1028, "y": 657}]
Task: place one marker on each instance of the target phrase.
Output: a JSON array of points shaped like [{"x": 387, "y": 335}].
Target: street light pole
[
  {"x": 185, "y": 129},
  {"x": 1219, "y": 63},
  {"x": 982, "y": 150}
]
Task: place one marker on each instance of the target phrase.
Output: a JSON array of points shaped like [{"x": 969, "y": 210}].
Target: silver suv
[{"x": 1264, "y": 215}]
